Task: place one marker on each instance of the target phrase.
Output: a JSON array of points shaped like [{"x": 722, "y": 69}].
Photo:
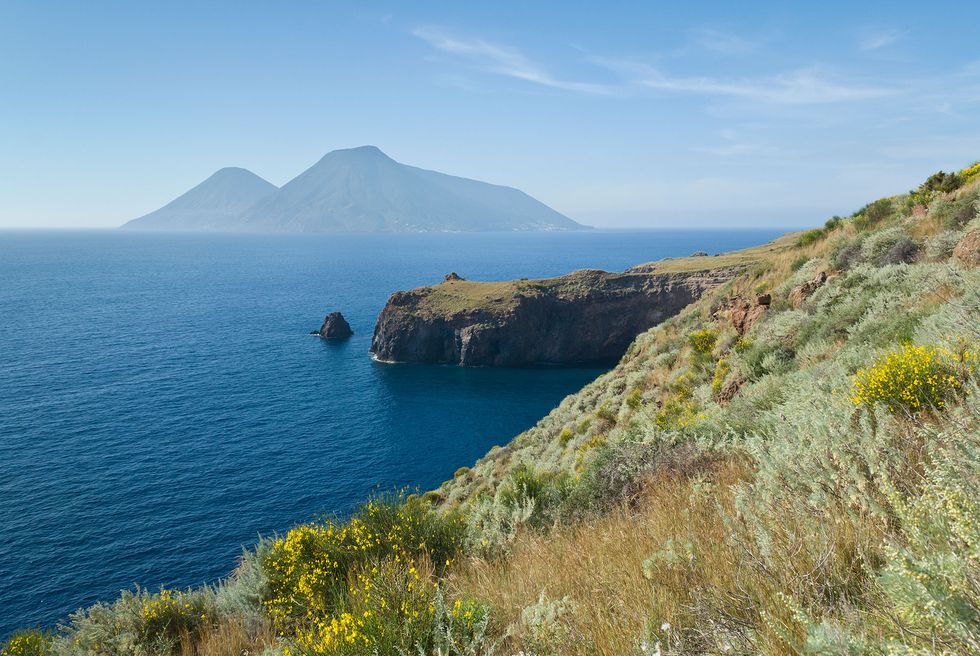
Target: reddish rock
[
  {"x": 802, "y": 292},
  {"x": 730, "y": 388},
  {"x": 967, "y": 249},
  {"x": 763, "y": 299},
  {"x": 742, "y": 313}
]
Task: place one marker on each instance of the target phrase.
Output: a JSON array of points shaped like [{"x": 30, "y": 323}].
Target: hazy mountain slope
[
  {"x": 364, "y": 190},
  {"x": 215, "y": 204}
]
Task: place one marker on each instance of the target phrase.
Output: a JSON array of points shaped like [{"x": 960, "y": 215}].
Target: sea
[{"x": 162, "y": 403}]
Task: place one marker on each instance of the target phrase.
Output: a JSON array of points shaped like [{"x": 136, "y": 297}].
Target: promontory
[{"x": 584, "y": 317}]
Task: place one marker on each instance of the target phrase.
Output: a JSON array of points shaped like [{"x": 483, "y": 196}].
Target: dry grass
[
  {"x": 734, "y": 258},
  {"x": 229, "y": 638},
  {"x": 599, "y": 565},
  {"x": 704, "y": 575},
  {"x": 456, "y": 296}
]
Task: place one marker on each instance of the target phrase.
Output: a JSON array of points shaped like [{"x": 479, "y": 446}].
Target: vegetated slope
[
  {"x": 364, "y": 190},
  {"x": 215, "y": 204},
  {"x": 789, "y": 466}
]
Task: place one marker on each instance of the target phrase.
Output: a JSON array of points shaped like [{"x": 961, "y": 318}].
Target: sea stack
[{"x": 335, "y": 327}]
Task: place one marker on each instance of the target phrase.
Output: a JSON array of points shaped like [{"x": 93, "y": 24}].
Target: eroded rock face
[
  {"x": 802, "y": 292},
  {"x": 967, "y": 249},
  {"x": 587, "y": 316},
  {"x": 335, "y": 327},
  {"x": 743, "y": 313}
]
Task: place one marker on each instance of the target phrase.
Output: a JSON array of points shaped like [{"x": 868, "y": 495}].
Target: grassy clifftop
[
  {"x": 458, "y": 295},
  {"x": 789, "y": 466}
]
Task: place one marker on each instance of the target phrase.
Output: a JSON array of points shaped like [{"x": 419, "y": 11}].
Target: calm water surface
[{"x": 161, "y": 403}]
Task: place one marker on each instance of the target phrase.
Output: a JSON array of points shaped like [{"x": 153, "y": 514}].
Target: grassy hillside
[{"x": 789, "y": 466}]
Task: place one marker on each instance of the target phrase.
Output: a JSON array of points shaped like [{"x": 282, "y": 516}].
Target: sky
[{"x": 646, "y": 114}]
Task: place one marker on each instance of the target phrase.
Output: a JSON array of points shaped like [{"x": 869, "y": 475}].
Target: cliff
[
  {"x": 588, "y": 316},
  {"x": 584, "y": 317}
]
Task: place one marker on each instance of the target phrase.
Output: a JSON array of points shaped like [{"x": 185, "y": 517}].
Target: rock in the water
[
  {"x": 335, "y": 327},
  {"x": 587, "y": 316}
]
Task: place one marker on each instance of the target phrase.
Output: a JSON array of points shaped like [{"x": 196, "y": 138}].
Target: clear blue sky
[{"x": 618, "y": 114}]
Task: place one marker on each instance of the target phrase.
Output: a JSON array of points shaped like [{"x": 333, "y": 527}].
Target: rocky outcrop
[
  {"x": 334, "y": 327},
  {"x": 967, "y": 249},
  {"x": 584, "y": 317},
  {"x": 800, "y": 293},
  {"x": 743, "y": 313}
]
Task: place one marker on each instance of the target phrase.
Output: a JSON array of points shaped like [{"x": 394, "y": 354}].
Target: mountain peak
[
  {"x": 365, "y": 153},
  {"x": 214, "y": 204},
  {"x": 354, "y": 190}
]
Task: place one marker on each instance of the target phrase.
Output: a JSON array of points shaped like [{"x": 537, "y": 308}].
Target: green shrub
[
  {"x": 932, "y": 567},
  {"x": 810, "y": 237},
  {"x": 904, "y": 251},
  {"x": 605, "y": 413},
  {"x": 942, "y": 182},
  {"x": 142, "y": 623},
  {"x": 765, "y": 358},
  {"x": 956, "y": 213},
  {"x": 566, "y": 435},
  {"x": 798, "y": 263},
  {"x": 873, "y": 213},
  {"x": 833, "y": 223},
  {"x": 523, "y": 484},
  {"x": 459, "y": 628},
  {"x": 846, "y": 253}
]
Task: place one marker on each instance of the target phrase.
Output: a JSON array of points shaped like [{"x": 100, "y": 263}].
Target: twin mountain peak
[{"x": 353, "y": 190}]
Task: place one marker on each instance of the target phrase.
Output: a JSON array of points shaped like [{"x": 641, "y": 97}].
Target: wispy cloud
[
  {"x": 734, "y": 145},
  {"x": 722, "y": 42},
  {"x": 806, "y": 86},
  {"x": 879, "y": 39},
  {"x": 504, "y": 60}
]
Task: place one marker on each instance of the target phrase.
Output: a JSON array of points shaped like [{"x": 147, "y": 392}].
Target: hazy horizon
[{"x": 648, "y": 117}]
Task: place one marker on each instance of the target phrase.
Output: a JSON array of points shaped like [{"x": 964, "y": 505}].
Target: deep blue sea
[{"x": 162, "y": 405}]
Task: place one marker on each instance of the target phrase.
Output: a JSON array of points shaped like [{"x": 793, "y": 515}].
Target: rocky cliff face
[{"x": 584, "y": 317}]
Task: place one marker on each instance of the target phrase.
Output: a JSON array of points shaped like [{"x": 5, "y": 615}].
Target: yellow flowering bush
[
  {"x": 971, "y": 173},
  {"x": 334, "y": 585},
  {"x": 389, "y": 605},
  {"x": 703, "y": 341},
  {"x": 583, "y": 450},
  {"x": 722, "y": 369},
  {"x": 913, "y": 378},
  {"x": 678, "y": 412},
  {"x": 27, "y": 643},
  {"x": 165, "y": 616}
]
